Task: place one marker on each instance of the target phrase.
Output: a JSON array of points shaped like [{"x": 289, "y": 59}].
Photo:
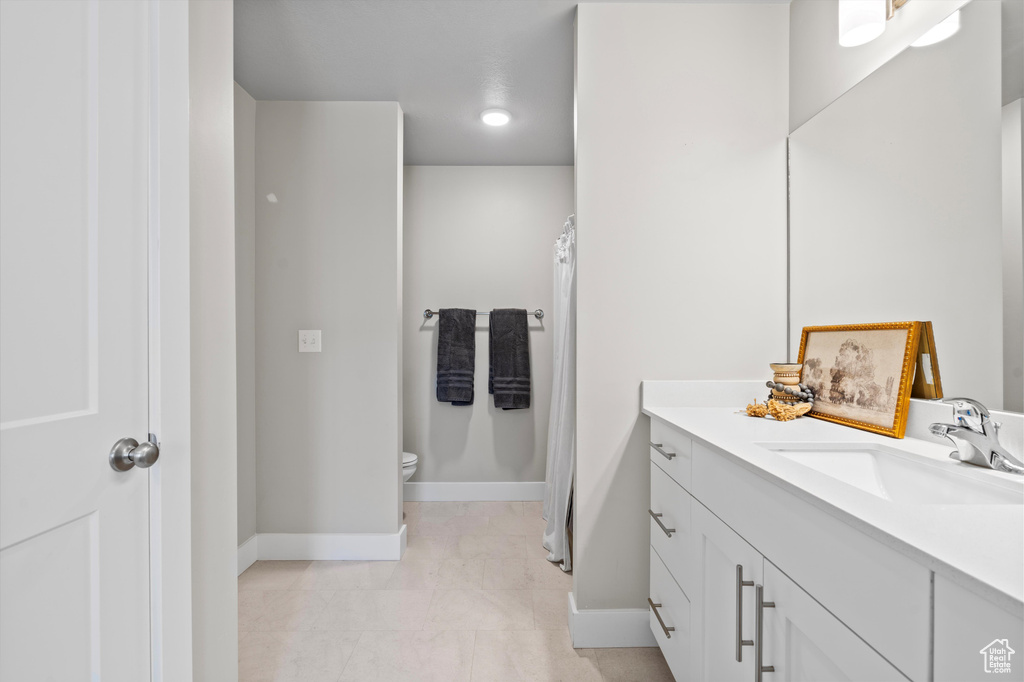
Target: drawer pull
[
  {"x": 759, "y": 668},
  {"x": 740, "y": 584},
  {"x": 659, "y": 446},
  {"x": 657, "y": 520},
  {"x": 654, "y": 607}
]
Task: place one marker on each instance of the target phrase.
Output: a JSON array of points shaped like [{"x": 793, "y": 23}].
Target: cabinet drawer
[
  {"x": 674, "y": 611},
  {"x": 673, "y": 503},
  {"x": 672, "y": 451}
]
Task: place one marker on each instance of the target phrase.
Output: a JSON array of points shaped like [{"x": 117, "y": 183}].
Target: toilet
[{"x": 408, "y": 465}]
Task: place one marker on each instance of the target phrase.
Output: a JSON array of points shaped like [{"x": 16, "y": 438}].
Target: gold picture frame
[{"x": 841, "y": 363}]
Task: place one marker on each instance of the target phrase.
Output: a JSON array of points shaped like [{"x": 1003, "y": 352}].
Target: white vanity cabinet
[
  {"x": 715, "y": 533},
  {"x": 799, "y": 639}
]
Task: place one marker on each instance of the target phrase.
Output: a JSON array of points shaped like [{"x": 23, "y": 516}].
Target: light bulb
[
  {"x": 860, "y": 21},
  {"x": 939, "y": 31},
  {"x": 495, "y": 117}
]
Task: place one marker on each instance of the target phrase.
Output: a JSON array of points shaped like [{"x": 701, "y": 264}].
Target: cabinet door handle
[
  {"x": 657, "y": 520},
  {"x": 654, "y": 607},
  {"x": 759, "y": 667},
  {"x": 659, "y": 446},
  {"x": 740, "y": 584}
]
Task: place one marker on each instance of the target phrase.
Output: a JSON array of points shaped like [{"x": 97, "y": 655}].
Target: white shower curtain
[{"x": 562, "y": 427}]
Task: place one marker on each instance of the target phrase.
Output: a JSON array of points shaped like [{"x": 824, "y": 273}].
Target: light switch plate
[{"x": 309, "y": 340}]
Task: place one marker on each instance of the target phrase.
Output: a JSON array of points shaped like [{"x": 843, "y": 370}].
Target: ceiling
[{"x": 444, "y": 61}]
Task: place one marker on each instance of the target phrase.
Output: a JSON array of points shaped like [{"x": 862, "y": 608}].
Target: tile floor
[{"x": 474, "y": 598}]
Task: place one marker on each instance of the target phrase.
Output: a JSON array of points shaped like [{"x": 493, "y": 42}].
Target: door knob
[{"x": 127, "y": 453}]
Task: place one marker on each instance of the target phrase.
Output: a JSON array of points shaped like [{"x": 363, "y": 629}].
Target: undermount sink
[{"x": 900, "y": 476}]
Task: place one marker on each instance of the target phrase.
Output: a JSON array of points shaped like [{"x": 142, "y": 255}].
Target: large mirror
[{"x": 897, "y": 198}]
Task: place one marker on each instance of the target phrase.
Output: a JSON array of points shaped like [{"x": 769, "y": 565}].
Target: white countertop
[{"x": 978, "y": 546}]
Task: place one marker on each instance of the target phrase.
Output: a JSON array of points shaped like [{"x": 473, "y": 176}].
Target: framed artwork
[{"x": 861, "y": 374}]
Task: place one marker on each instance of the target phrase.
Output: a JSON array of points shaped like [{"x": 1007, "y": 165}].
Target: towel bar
[{"x": 428, "y": 313}]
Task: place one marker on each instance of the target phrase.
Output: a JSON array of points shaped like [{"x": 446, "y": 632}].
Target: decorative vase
[{"x": 787, "y": 374}]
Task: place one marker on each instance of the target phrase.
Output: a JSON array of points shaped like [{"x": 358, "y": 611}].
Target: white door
[
  {"x": 74, "y": 160},
  {"x": 723, "y": 603},
  {"x": 803, "y": 642}
]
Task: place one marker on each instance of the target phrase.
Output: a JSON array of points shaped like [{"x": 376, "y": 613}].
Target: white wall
[
  {"x": 681, "y": 210},
  {"x": 479, "y": 237},
  {"x": 820, "y": 70},
  {"x": 245, "y": 306},
  {"x": 212, "y": 301},
  {"x": 1013, "y": 257},
  {"x": 895, "y": 204},
  {"x": 329, "y": 257}
]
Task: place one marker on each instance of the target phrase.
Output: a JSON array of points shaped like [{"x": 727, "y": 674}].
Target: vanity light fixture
[
  {"x": 940, "y": 31},
  {"x": 495, "y": 117},
  {"x": 861, "y": 21}
]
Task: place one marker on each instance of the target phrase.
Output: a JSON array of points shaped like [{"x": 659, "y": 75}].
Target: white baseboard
[
  {"x": 332, "y": 546},
  {"x": 609, "y": 628},
  {"x": 321, "y": 546},
  {"x": 474, "y": 492},
  {"x": 247, "y": 554}
]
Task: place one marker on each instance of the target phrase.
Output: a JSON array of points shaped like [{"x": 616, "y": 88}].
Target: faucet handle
[{"x": 970, "y": 414}]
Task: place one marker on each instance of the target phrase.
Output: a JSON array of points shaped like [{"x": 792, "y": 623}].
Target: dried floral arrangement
[
  {"x": 781, "y": 411},
  {"x": 788, "y": 398}
]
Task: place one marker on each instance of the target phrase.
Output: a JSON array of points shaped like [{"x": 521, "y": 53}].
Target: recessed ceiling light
[
  {"x": 940, "y": 31},
  {"x": 495, "y": 117}
]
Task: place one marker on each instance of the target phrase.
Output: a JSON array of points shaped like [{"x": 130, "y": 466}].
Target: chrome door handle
[
  {"x": 759, "y": 667},
  {"x": 128, "y": 453},
  {"x": 659, "y": 446},
  {"x": 654, "y": 607},
  {"x": 740, "y": 584},
  {"x": 657, "y": 520}
]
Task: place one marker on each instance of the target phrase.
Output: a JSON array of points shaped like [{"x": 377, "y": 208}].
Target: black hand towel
[
  {"x": 510, "y": 359},
  {"x": 456, "y": 355}
]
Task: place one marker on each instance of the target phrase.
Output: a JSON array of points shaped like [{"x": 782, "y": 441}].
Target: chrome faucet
[{"x": 976, "y": 437}]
